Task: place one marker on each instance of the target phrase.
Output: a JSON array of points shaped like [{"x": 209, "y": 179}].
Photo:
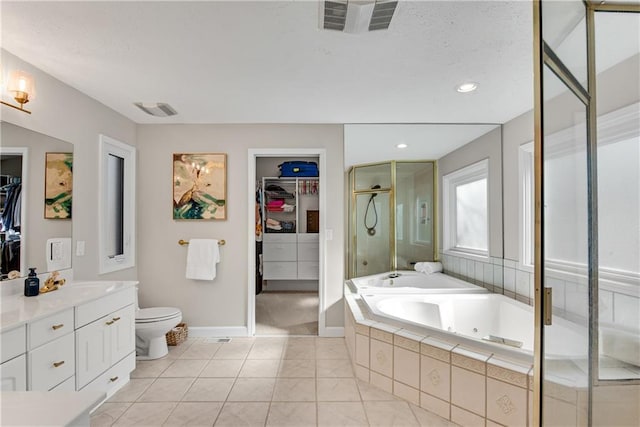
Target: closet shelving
[{"x": 289, "y": 250}]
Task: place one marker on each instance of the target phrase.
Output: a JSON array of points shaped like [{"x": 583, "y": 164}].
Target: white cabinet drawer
[
  {"x": 14, "y": 374},
  {"x": 279, "y": 252},
  {"x": 279, "y": 237},
  {"x": 308, "y": 270},
  {"x": 52, "y": 363},
  {"x": 308, "y": 252},
  {"x": 280, "y": 270},
  {"x": 13, "y": 343},
  {"x": 50, "y": 328},
  {"x": 308, "y": 238},
  {"x": 87, "y": 313},
  {"x": 115, "y": 377}
]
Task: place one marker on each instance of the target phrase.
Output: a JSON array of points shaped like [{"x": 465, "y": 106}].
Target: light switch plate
[
  {"x": 80, "y": 248},
  {"x": 58, "y": 253}
]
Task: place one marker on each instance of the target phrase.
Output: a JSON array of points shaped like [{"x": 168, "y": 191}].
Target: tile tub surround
[
  {"x": 460, "y": 384},
  {"x": 470, "y": 386},
  {"x": 284, "y": 381}
]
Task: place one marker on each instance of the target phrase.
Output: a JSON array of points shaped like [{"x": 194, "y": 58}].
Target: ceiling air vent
[
  {"x": 358, "y": 16},
  {"x": 157, "y": 109},
  {"x": 335, "y": 14},
  {"x": 382, "y": 14}
]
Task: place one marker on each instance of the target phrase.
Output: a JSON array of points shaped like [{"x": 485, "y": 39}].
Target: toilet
[{"x": 151, "y": 326}]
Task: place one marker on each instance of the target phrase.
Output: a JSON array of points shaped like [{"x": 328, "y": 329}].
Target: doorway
[{"x": 286, "y": 262}]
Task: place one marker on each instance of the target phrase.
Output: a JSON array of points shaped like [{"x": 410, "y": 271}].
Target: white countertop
[
  {"x": 43, "y": 408},
  {"x": 16, "y": 310}
]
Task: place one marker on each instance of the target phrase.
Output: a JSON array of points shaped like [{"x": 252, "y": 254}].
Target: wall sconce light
[{"x": 22, "y": 87}]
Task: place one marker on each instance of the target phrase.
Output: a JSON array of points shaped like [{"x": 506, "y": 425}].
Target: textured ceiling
[{"x": 269, "y": 62}]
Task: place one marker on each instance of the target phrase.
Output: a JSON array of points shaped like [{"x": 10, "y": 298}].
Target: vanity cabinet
[
  {"x": 13, "y": 367},
  {"x": 88, "y": 345},
  {"x": 105, "y": 347}
]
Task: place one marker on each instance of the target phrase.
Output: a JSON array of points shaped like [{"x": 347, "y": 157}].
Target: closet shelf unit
[{"x": 290, "y": 252}]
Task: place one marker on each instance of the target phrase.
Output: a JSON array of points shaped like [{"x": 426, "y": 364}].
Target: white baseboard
[
  {"x": 332, "y": 331},
  {"x": 218, "y": 331}
]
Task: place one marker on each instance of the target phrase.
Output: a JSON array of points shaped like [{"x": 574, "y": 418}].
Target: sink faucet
[{"x": 52, "y": 283}]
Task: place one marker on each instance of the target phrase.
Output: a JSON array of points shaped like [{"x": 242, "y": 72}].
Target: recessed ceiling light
[
  {"x": 403, "y": 145},
  {"x": 467, "y": 87}
]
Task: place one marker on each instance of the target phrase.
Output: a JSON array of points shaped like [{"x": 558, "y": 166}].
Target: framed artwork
[
  {"x": 199, "y": 186},
  {"x": 58, "y": 185}
]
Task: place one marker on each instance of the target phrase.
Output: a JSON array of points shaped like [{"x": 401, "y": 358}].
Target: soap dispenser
[{"x": 31, "y": 284}]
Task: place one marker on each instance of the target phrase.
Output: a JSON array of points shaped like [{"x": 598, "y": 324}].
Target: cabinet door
[
  {"x": 93, "y": 350},
  {"x": 123, "y": 337},
  {"x": 14, "y": 374}
]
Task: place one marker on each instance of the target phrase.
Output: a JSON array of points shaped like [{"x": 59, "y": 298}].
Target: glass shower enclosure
[{"x": 392, "y": 216}]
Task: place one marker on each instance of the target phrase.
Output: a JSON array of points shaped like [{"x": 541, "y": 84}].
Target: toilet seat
[{"x": 156, "y": 314}]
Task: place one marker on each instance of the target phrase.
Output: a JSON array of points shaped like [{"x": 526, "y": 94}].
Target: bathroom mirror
[{"x": 23, "y": 154}]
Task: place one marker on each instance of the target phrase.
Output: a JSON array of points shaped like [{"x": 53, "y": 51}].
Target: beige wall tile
[
  {"x": 437, "y": 350},
  {"x": 435, "y": 405},
  {"x": 383, "y": 383},
  {"x": 506, "y": 403},
  {"x": 435, "y": 378},
  {"x": 468, "y": 390},
  {"x": 381, "y": 357},
  {"x": 407, "y": 393},
  {"x": 407, "y": 343},
  {"x": 362, "y": 350},
  {"x": 381, "y": 335},
  {"x": 406, "y": 367},
  {"x": 362, "y": 373},
  {"x": 616, "y": 405},
  {"x": 362, "y": 329}
]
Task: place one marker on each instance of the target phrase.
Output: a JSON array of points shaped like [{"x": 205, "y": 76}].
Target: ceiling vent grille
[
  {"x": 157, "y": 109},
  {"x": 335, "y": 15},
  {"x": 358, "y": 16},
  {"x": 382, "y": 14}
]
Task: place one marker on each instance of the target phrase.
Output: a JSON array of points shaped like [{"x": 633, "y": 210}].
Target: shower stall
[{"x": 392, "y": 216}]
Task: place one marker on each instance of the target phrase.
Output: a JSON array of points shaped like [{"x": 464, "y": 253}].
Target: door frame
[{"x": 253, "y": 154}]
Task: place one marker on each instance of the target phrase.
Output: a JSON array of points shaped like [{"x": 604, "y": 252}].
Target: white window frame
[
  {"x": 108, "y": 264},
  {"x": 526, "y": 207},
  {"x": 465, "y": 175}
]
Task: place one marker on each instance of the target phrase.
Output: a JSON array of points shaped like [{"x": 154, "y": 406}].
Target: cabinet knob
[
  {"x": 56, "y": 327},
  {"x": 115, "y": 319},
  {"x": 110, "y": 322},
  {"x": 58, "y": 364},
  {"x": 113, "y": 379}
]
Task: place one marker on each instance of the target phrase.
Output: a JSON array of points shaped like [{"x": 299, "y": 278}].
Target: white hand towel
[
  {"x": 428, "y": 267},
  {"x": 202, "y": 257}
]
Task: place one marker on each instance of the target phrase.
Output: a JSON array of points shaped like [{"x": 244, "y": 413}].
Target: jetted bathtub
[
  {"x": 490, "y": 321},
  {"x": 411, "y": 282}
]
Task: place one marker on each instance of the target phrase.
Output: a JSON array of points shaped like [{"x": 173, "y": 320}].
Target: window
[
  {"x": 117, "y": 205},
  {"x": 526, "y": 211},
  {"x": 466, "y": 210}
]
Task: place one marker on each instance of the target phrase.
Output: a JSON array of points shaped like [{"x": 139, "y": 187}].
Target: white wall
[
  {"x": 63, "y": 112},
  {"x": 161, "y": 262}
]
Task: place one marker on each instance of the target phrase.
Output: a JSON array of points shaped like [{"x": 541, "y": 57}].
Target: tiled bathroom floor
[{"x": 294, "y": 381}]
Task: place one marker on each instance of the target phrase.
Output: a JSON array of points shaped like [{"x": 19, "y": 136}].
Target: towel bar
[{"x": 182, "y": 242}]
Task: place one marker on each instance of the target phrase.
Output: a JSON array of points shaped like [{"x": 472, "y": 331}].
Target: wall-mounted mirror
[{"x": 25, "y": 230}]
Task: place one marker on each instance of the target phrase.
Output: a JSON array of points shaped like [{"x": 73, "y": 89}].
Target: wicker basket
[{"x": 178, "y": 334}]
